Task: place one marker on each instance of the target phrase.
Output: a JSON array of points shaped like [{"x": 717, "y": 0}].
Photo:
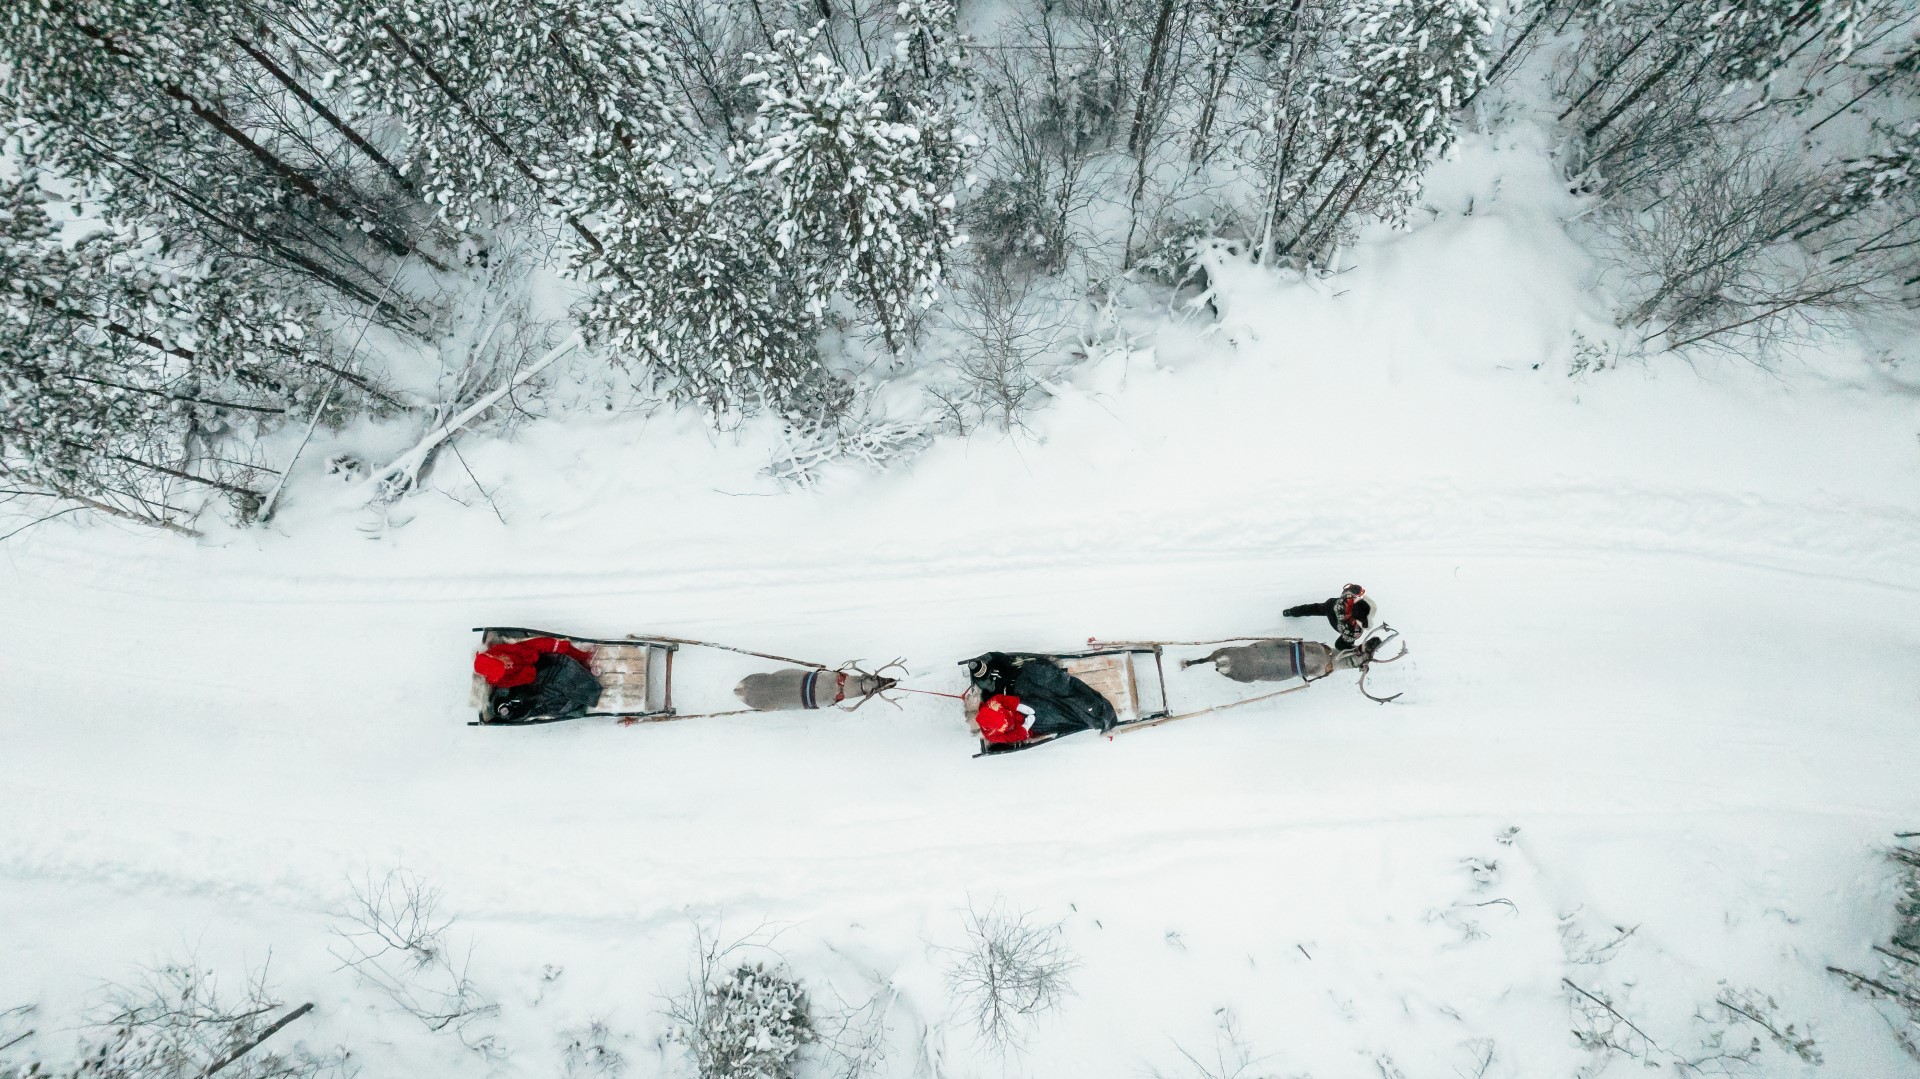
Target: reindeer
[
  {"x": 1276, "y": 661},
  {"x": 1285, "y": 658},
  {"x": 796, "y": 688}
]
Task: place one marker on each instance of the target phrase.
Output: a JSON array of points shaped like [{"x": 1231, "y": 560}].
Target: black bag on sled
[
  {"x": 562, "y": 688},
  {"x": 1061, "y": 703}
]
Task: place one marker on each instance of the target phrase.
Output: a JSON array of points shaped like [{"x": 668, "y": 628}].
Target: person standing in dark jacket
[{"x": 1351, "y": 614}]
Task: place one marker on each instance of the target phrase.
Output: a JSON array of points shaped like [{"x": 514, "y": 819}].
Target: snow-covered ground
[{"x": 1662, "y": 622}]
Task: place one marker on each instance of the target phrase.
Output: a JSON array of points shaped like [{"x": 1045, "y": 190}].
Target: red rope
[{"x": 931, "y": 692}]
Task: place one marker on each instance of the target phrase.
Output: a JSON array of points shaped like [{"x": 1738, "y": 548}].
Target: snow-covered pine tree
[
  {"x": 160, "y": 102},
  {"x": 497, "y": 96},
  {"x": 682, "y": 269},
  {"x": 1383, "y": 111},
  {"x": 688, "y": 281},
  {"x": 128, "y": 381},
  {"x": 862, "y": 168}
]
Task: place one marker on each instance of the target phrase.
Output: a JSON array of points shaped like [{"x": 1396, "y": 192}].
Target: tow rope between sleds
[{"x": 931, "y": 692}]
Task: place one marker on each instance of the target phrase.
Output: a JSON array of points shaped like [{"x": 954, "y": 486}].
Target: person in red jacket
[
  {"x": 1004, "y": 720},
  {"x": 511, "y": 663}
]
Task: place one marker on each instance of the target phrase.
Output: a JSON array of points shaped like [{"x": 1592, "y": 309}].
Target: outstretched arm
[{"x": 1322, "y": 609}]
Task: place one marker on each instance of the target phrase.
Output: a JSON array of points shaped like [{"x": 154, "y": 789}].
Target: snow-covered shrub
[
  {"x": 1012, "y": 328},
  {"x": 1035, "y": 163},
  {"x": 1716, "y": 249},
  {"x": 174, "y": 1022},
  {"x": 1906, "y": 905},
  {"x": 1011, "y": 969},
  {"x": 749, "y": 1023},
  {"x": 1738, "y": 225},
  {"x": 811, "y": 439},
  {"x": 1898, "y": 980},
  {"x": 590, "y": 1052},
  {"x": 1230, "y": 1057},
  {"x": 393, "y": 937}
]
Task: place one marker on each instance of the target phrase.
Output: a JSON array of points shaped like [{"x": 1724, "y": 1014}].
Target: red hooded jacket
[
  {"x": 511, "y": 663},
  {"x": 1002, "y": 722}
]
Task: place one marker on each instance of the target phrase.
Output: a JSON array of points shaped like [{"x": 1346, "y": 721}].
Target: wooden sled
[
  {"x": 1130, "y": 677},
  {"x": 635, "y": 675},
  {"x": 1116, "y": 670}
]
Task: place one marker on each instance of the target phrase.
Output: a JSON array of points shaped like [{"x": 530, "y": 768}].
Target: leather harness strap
[{"x": 809, "y": 694}]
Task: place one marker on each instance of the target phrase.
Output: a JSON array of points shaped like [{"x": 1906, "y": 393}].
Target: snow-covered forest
[{"x": 885, "y": 334}]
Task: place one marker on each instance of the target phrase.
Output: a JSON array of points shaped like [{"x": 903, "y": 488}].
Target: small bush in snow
[
  {"x": 174, "y": 1022},
  {"x": 1012, "y": 969},
  {"x": 393, "y": 936},
  {"x": 751, "y": 1023},
  {"x": 1898, "y": 980},
  {"x": 591, "y": 1053}
]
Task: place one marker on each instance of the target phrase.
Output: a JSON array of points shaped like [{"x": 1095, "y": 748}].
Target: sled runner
[
  {"x": 635, "y": 676},
  {"x": 1129, "y": 678}
]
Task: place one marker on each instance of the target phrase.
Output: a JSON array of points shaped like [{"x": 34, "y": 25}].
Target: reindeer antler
[
  {"x": 883, "y": 682},
  {"x": 1366, "y": 665}
]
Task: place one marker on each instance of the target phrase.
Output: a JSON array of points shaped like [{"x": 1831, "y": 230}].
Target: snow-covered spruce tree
[
  {"x": 168, "y": 107},
  {"x": 683, "y": 272},
  {"x": 499, "y": 96},
  {"x": 129, "y": 382},
  {"x": 1377, "y": 116},
  {"x": 862, "y": 168},
  {"x": 688, "y": 281}
]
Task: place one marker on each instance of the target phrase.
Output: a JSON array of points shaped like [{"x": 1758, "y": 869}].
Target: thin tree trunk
[
  {"x": 1639, "y": 91},
  {"x": 212, "y": 117},
  {"x": 320, "y": 109},
  {"x": 272, "y": 1029},
  {"x": 1218, "y": 73},
  {"x": 408, "y": 465},
  {"x": 127, "y": 515},
  {"x": 297, "y": 259},
  {"x": 1513, "y": 48},
  {"x": 1155, "y": 51},
  {"x": 300, "y": 181},
  {"x": 148, "y": 465},
  {"x": 169, "y": 396},
  {"x": 1326, "y": 159},
  {"x": 1606, "y": 76},
  {"x": 1345, "y": 207}
]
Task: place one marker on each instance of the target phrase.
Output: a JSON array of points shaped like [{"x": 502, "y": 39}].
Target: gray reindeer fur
[
  {"x": 786, "y": 690},
  {"x": 1272, "y": 661}
]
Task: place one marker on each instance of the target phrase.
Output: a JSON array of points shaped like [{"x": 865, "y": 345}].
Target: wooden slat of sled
[
  {"x": 622, "y": 671},
  {"x": 1112, "y": 677}
]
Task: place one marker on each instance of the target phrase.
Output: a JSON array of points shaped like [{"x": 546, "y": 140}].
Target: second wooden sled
[
  {"x": 635, "y": 676},
  {"x": 1131, "y": 678}
]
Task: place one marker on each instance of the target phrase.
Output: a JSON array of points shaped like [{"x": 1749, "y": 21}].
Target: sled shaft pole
[
  {"x": 730, "y": 648},
  {"x": 1096, "y": 643},
  {"x": 1143, "y": 725}
]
